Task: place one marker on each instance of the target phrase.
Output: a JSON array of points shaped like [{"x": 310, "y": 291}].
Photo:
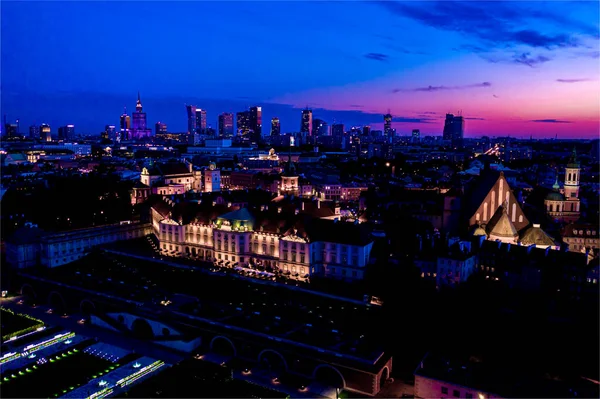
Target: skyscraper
[
  {"x": 243, "y": 123},
  {"x": 45, "y": 132},
  {"x": 200, "y": 120},
  {"x": 256, "y": 123},
  {"x": 11, "y": 129},
  {"x": 139, "y": 127},
  {"x": 160, "y": 128},
  {"x": 320, "y": 128},
  {"x": 454, "y": 127},
  {"x": 66, "y": 132},
  {"x": 110, "y": 132},
  {"x": 306, "y": 122},
  {"x": 387, "y": 127},
  {"x": 125, "y": 126},
  {"x": 226, "y": 125},
  {"x": 275, "y": 127},
  {"x": 34, "y": 132},
  {"x": 416, "y": 136},
  {"x": 366, "y": 130},
  {"x": 191, "y": 118}
]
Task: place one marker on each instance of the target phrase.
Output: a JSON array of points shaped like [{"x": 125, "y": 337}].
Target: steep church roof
[
  {"x": 534, "y": 235},
  {"x": 500, "y": 225}
]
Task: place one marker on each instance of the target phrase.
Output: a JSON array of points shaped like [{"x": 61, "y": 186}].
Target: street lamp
[{"x": 337, "y": 393}]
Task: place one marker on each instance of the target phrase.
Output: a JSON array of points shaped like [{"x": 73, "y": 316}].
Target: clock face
[{"x": 212, "y": 166}]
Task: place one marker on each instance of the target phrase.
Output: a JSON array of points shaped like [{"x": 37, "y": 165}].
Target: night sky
[{"x": 512, "y": 68}]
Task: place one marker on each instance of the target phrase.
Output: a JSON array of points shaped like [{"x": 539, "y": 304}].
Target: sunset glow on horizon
[{"x": 511, "y": 68}]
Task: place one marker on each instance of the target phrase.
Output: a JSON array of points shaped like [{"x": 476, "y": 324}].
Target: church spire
[{"x": 556, "y": 186}]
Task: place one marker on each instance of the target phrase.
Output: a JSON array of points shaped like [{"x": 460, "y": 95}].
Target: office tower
[
  {"x": 11, "y": 129},
  {"x": 139, "y": 127},
  {"x": 337, "y": 130},
  {"x": 256, "y": 123},
  {"x": 125, "y": 126},
  {"x": 66, "y": 132},
  {"x": 275, "y": 127},
  {"x": 200, "y": 120},
  {"x": 416, "y": 136},
  {"x": 191, "y": 118},
  {"x": 366, "y": 131},
  {"x": 243, "y": 123},
  {"x": 160, "y": 128},
  {"x": 225, "y": 125},
  {"x": 387, "y": 127},
  {"x": 34, "y": 132},
  {"x": 104, "y": 135},
  {"x": 45, "y": 132},
  {"x": 320, "y": 128},
  {"x": 110, "y": 132},
  {"x": 454, "y": 127},
  {"x": 306, "y": 122}
]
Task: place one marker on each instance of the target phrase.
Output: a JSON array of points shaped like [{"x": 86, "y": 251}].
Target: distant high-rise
[
  {"x": 160, "y": 128},
  {"x": 366, "y": 131},
  {"x": 125, "y": 126},
  {"x": 275, "y": 127},
  {"x": 225, "y": 125},
  {"x": 416, "y": 135},
  {"x": 387, "y": 126},
  {"x": 256, "y": 123},
  {"x": 337, "y": 130},
  {"x": 139, "y": 127},
  {"x": 66, "y": 132},
  {"x": 306, "y": 125},
  {"x": 454, "y": 128},
  {"x": 200, "y": 120},
  {"x": 320, "y": 128},
  {"x": 45, "y": 132},
  {"x": 191, "y": 118},
  {"x": 110, "y": 132},
  {"x": 34, "y": 132},
  {"x": 11, "y": 129},
  {"x": 243, "y": 123}
]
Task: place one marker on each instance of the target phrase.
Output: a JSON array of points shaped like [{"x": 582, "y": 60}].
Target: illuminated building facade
[
  {"x": 306, "y": 124},
  {"x": 225, "y": 125},
  {"x": 191, "y": 118},
  {"x": 200, "y": 120},
  {"x": 139, "y": 129},
  {"x": 125, "y": 126},
  {"x": 243, "y": 123},
  {"x": 45, "y": 132},
  {"x": 565, "y": 206},
  {"x": 255, "y": 119},
  {"x": 387, "y": 127},
  {"x": 287, "y": 239},
  {"x": 275, "y": 127},
  {"x": 160, "y": 128}
]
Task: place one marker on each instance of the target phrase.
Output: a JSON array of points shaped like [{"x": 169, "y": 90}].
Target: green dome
[{"x": 555, "y": 196}]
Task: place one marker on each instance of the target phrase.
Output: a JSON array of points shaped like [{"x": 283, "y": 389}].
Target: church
[
  {"x": 564, "y": 205},
  {"x": 495, "y": 214}
]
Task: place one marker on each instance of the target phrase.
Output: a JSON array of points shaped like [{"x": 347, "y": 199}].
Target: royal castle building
[{"x": 294, "y": 236}]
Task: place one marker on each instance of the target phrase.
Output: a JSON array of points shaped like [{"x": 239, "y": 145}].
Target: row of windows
[{"x": 456, "y": 393}]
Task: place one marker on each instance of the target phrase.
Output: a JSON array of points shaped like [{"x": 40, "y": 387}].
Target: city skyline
[{"x": 530, "y": 69}]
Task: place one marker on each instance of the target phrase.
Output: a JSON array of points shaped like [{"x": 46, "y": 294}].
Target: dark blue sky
[{"x": 81, "y": 62}]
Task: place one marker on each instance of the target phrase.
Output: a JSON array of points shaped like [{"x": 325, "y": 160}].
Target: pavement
[{"x": 71, "y": 323}]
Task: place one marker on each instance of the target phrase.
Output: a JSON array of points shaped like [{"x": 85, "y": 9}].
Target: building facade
[
  {"x": 268, "y": 236},
  {"x": 565, "y": 206},
  {"x": 225, "y": 125}
]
